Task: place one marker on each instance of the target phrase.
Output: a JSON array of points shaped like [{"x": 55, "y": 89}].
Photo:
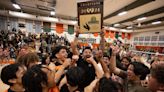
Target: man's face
[
  {"x": 152, "y": 84},
  {"x": 21, "y": 71},
  {"x": 87, "y": 53},
  {"x": 6, "y": 52},
  {"x": 62, "y": 54}
]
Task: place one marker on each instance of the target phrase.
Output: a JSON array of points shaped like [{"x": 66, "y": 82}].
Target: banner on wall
[
  {"x": 3, "y": 23},
  {"x": 70, "y": 29},
  {"x": 46, "y": 26},
  {"x": 87, "y": 40},
  {"x": 90, "y": 16},
  {"x": 38, "y": 28},
  {"x": 13, "y": 24},
  {"x": 59, "y": 28},
  {"x": 29, "y": 26}
]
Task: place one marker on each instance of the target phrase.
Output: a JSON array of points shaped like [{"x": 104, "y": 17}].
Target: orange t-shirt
[{"x": 54, "y": 89}]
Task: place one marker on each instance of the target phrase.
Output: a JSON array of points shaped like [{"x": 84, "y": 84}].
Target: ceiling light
[
  {"x": 157, "y": 22},
  {"x": 129, "y": 27},
  {"x": 139, "y": 25},
  {"x": 143, "y": 18},
  {"x": 52, "y": 13},
  {"x": 116, "y": 25},
  {"x": 112, "y": 28},
  {"x": 122, "y": 13},
  {"x": 16, "y": 6}
]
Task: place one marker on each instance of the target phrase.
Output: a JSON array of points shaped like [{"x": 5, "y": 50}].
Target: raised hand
[
  {"x": 67, "y": 62},
  {"x": 74, "y": 59},
  {"x": 77, "y": 31},
  {"x": 115, "y": 50},
  {"x": 90, "y": 59}
]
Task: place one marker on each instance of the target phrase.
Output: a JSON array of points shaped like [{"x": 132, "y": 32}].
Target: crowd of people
[{"x": 59, "y": 66}]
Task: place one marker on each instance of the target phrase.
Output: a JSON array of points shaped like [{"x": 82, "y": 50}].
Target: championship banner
[
  {"x": 87, "y": 40},
  {"x": 90, "y": 16}
]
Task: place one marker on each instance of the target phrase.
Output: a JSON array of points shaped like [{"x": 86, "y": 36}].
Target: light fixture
[
  {"x": 139, "y": 25},
  {"x": 16, "y": 6},
  {"x": 129, "y": 27},
  {"x": 116, "y": 25},
  {"x": 122, "y": 13},
  {"x": 157, "y": 22},
  {"x": 52, "y": 13},
  {"x": 142, "y": 18}
]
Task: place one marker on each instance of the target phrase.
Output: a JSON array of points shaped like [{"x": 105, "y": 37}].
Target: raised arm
[
  {"x": 98, "y": 71},
  {"x": 61, "y": 71},
  {"x": 113, "y": 67},
  {"x": 102, "y": 46},
  {"x": 75, "y": 42}
]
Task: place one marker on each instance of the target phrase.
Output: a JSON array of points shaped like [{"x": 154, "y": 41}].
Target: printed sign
[
  {"x": 90, "y": 16},
  {"x": 87, "y": 40}
]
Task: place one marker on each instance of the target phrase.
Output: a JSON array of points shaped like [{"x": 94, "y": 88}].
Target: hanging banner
[
  {"x": 87, "y": 40},
  {"x": 29, "y": 26},
  {"x": 46, "y": 26},
  {"x": 38, "y": 27},
  {"x": 116, "y": 35},
  {"x": 70, "y": 29},
  {"x": 90, "y": 16},
  {"x": 59, "y": 28}
]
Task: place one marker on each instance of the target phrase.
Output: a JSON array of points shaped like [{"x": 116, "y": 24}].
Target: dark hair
[
  {"x": 140, "y": 69},
  {"x": 43, "y": 59},
  {"x": 75, "y": 76},
  {"x": 57, "y": 50},
  {"x": 9, "y": 72},
  {"x": 87, "y": 48},
  {"x": 127, "y": 58},
  {"x": 106, "y": 85},
  {"x": 158, "y": 72},
  {"x": 106, "y": 55},
  {"x": 33, "y": 79}
]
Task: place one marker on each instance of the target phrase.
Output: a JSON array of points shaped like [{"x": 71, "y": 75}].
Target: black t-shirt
[
  {"x": 9, "y": 90},
  {"x": 89, "y": 72},
  {"x": 64, "y": 88}
]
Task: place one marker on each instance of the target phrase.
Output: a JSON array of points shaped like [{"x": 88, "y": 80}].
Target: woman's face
[
  {"x": 131, "y": 74},
  {"x": 125, "y": 63},
  {"x": 106, "y": 60},
  {"x": 48, "y": 60}
]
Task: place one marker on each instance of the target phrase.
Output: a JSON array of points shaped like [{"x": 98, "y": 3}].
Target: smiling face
[
  {"x": 87, "y": 53},
  {"x": 62, "y": 54},
  {"x": 125, "y": 63},
  {"x": 106, "y": 60},
  {"x": 131, "y": 74}
]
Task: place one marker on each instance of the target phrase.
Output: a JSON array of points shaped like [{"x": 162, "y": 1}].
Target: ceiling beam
[
  {"x": 151, "y": 13},
  {"x": 131, "y": 6},
  {"x": 154, "y": 20}
]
